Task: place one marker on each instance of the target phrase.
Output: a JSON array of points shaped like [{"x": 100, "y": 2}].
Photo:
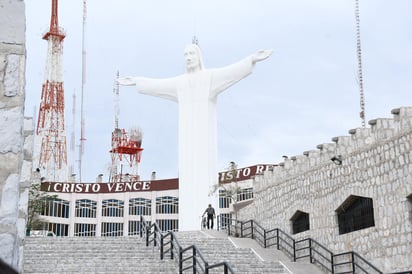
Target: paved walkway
[{"x": 268, "y": 254}]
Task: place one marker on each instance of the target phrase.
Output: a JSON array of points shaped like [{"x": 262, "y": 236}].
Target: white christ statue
[{"x": 196, "y": 94}]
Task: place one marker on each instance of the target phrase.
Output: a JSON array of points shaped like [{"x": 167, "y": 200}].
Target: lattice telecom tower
[
  {"x": 126, "y": 148},
  {"x": 51, "y": 133}
]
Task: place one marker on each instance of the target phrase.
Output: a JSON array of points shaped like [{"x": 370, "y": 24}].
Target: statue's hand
[
  {"x": 261, "y": 55},
  {"x": 126, "y": 81}
]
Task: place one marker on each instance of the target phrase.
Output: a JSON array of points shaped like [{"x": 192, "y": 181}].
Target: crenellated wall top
[{"x": 341, "y": 147}]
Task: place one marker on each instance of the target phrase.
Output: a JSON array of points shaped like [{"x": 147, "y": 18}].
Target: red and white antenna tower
[
  {"x": 126, "y": 148},
  {"x": 51, "y": 133}
]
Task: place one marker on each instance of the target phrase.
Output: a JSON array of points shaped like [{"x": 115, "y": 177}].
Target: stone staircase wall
[{"x": 16, "y": 133}]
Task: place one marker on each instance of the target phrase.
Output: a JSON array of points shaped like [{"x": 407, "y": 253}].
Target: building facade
[
  {"x": 114, "y": 209},
  {"x": 109, "y": 209}
]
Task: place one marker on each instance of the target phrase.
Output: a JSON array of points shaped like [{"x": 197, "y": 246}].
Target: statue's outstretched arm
[
  {"x": 127, "y": 81},
  {"x": 261, "y": 55},
  {"x": 164, "y": 88}
]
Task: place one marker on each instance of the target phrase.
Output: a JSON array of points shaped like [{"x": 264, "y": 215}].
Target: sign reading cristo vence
[{"x": 135, "y": 186}]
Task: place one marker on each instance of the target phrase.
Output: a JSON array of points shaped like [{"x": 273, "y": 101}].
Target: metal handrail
[
  {"x": 316, "y": 255},
  {"x": 268, "y": 237},
  {"x": 356, "y": 262},
  {"x": 195, "y": 261},
  {"x": 286, "y": 243},
  {"x": 305, "y": 248},
  {"x": 226, "y": 267},
  {"x": 259, "y": 235}
]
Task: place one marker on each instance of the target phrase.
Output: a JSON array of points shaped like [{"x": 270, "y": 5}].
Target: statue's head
[{"x": 193, "y": 58}]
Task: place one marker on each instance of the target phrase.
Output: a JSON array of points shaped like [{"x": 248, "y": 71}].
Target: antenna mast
[
  {"x": 359, "y": 55},
  {"x": 116, "y": 101},
  {"x": 126, "y": 147},
  {"x": 82, "y": 128},
  {"x": 50, "y": 124},
  {"x": 72, "y": 136}
]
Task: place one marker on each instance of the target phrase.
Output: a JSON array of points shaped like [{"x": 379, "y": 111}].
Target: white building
[{"x": 114, "y": 209}]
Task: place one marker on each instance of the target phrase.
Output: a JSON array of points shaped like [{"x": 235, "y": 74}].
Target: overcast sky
[{"x": 303, "y": 95}]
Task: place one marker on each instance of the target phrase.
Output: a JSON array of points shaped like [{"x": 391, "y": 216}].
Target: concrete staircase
[
  {"x": 216, "y": 248},
  {"x": 93, "y": 255},
  {"x": 130, "y": 255},
  {"x": 272, "y": 254}
]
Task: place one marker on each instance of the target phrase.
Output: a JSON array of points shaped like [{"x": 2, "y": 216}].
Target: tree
[
  {"x": 231, "y": 190},
  {"x": 36, "y": 203}
]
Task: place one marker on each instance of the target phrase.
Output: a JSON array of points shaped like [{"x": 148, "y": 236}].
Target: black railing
[
  {"x": 188, "y": 259},
  {"x": 342, "y": 263}
]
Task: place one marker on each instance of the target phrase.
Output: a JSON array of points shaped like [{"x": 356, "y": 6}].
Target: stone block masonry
[
  {"x": 16, "y": 133},
  {"x": 376, "y": 163}
]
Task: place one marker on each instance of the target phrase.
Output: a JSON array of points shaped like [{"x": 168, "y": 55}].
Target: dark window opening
[
  {"x": 168, "y": 225},
  {"x": 355, "y": 213},
  {"x": 112, "y": 208},
  {"x": 224, "y": 200},
  {"x": 85, "y": 230},
  {"x": 224, "y": 220},
  {"x": 58, "y": 229},
  {"x": 140, "y": 206},
  {"x": 86, "y": 208},
  {"x": 300, "y": 222},
  {"x": 167, "y": 205},
  {"x": 112, "y": 229},
  {"x": 56, "y": 208},
  {"x": 134, "y": 228}
]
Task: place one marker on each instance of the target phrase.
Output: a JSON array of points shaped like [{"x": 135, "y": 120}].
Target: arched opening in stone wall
[
  {"x": 355, "y": 213},
  {"x": 300, "y": 222}
]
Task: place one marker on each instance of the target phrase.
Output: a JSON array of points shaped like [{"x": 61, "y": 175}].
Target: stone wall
[
  {"x": 15, "y": 131},
  {"x": 376, "y": 163}
]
